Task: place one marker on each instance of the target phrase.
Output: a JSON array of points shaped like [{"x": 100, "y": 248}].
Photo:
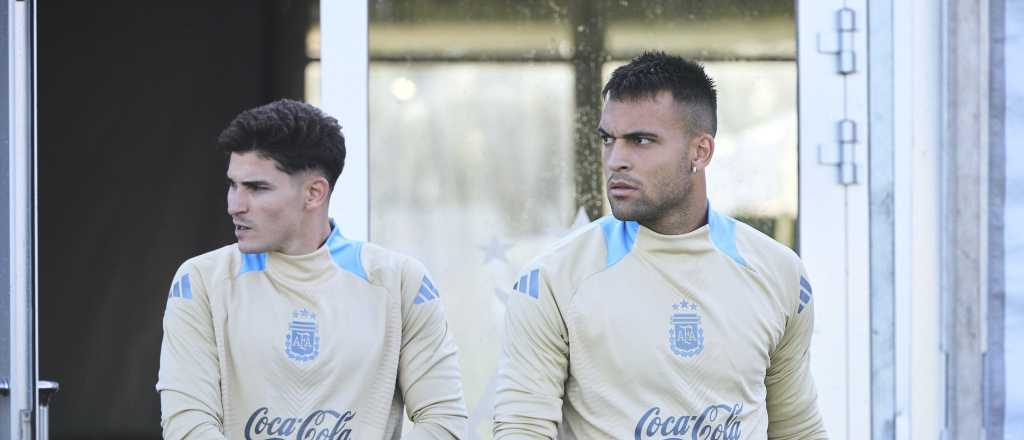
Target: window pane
[
  {"x": 478, "y": 121},
  {"x": 470, "y": 174},
  {"x": 731, "y": 29}
]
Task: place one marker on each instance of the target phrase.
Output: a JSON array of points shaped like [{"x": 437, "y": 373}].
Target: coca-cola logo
[
  {"x": 716, "y": 422},
  {"x": 318, "y": 425}
]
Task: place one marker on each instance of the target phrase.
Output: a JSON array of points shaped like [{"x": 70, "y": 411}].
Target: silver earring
[{"x": 694, "y": 170}]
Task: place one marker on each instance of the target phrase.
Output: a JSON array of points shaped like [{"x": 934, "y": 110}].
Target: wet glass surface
[{"x": 481, "y": 122}]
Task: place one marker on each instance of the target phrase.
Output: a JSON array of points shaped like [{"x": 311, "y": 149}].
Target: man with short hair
[
  {"x": 666, "y": 320},
  {"x": 295, "y": 331}
]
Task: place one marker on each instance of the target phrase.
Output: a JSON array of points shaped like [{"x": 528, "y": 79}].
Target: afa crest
[
  {"x": 686, "y": 336},
  {"x": 302, "y": 343}
]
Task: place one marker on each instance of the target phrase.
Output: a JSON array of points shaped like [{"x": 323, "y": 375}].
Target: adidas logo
[
  {"x": 427, "y": 292},
  {"x": 529, "y": 283},
  {"x": 181, "y": 288},
  {"x": 805, "y": 294}
]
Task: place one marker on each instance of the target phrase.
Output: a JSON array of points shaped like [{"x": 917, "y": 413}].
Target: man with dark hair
[
  {"x": 666, "y": 319},
  {"x": 295, "y": 331}
]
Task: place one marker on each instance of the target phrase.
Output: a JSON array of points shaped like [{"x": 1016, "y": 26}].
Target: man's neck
[
  {"x": 691, "y": 215},
  {"x": 312, "y": 236}
]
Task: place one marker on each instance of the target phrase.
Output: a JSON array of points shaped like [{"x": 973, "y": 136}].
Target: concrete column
[{"x": 965, "y": 244}]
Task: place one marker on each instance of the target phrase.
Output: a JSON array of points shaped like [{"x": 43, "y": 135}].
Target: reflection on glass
[
  {"x": 753, "y": 175},
  {"x": 477, "y": 126},
  {"x": 469, "y": 173}
]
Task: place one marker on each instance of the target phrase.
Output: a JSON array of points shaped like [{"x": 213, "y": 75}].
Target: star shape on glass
[{"x": 495, "y": 250}]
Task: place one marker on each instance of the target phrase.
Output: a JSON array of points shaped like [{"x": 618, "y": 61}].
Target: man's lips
[
  {"x": 619, "y": 187},
  {"x": 241, "y": 228},
  {"x": 618, "y": 184}
]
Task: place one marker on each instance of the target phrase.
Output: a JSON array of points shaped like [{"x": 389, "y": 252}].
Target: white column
[{"x": 344, "y": 77}]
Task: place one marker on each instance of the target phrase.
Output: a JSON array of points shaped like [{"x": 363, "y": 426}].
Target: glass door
[{"x": 479, "y": 147}]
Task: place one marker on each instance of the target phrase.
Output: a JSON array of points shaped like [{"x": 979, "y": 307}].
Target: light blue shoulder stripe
[
  {"x": 347, "y": 254},
  {"x": 723, "y": 235},
  {"x": 619, "y": 237},
  {"x": 253, "y": 262}
]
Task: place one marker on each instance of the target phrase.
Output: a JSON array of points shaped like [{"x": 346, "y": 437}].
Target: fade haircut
[
  {"x": 296, "y": 136},
  {"x": 653, "y": 72}
]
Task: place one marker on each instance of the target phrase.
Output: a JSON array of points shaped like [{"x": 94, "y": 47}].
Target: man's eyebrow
[
  {"x": 249, "y": 182},
  {"x": 602, "y": 133},
  {"x": 640, "y": 134}
]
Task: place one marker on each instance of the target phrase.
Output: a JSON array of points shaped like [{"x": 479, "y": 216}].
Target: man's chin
[
  {"x": 623, "y": 214},
  {"x": 247, "y": 247}
]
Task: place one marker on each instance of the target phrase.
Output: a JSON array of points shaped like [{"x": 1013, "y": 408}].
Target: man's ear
[
  {"x": 703, "y": 146},
  {"x": 317, "y": 191}
]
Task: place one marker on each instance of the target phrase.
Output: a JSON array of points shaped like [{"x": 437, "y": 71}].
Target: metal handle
[
  {"x": 47, "y": 389},
  {"x": 5, "y": 388}
]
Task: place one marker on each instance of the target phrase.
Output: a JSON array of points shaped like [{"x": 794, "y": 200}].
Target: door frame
[
  {"x": 833, "y": 206},
  {"x": 18, "y": 418}
]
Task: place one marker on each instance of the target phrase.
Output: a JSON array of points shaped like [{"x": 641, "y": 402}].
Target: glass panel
[
  {"x": 470, "y": 175},
  {"x": 461, "y": 29},
  {"x": 735, "y": 29},
  {"x": 481, "y": 117}
]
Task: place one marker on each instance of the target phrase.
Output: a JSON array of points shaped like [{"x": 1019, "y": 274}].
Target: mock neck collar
[
  {"x": 335, "y": 252},
  {"x": 718, "y": 233},
  {"x": 695, "y": 241}
]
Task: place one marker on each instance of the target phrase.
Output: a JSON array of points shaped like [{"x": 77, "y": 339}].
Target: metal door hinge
[
  {"x": 842, "y": 46},
  {"x": 25, "y": 429},
  {"x": 844, "y": 155}
]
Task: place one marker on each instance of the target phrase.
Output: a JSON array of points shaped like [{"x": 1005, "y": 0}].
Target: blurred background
[{"x": 482, "y": 152}]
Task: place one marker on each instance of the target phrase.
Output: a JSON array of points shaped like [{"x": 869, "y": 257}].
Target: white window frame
[{"x": 833, "y": 218}]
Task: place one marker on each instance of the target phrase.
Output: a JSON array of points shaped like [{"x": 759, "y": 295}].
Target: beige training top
[
  {"x": 327, "y": 345},
  {"x": 623, "y": 333}
]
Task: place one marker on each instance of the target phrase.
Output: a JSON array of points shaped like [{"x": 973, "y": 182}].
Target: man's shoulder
[
  {"x": 765, "y": 251},
  {"x": 214, "y": 260},
  {"x": 775, "y": 262},
  {"x": 585, "y": 251},
  {"x": 210, "y": 268},
  {"x": 384, "y": 266}
]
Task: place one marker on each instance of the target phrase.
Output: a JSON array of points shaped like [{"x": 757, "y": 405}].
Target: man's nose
[
  {"x": 616, "y": 159},
  {"x": 237, "y": 203}
]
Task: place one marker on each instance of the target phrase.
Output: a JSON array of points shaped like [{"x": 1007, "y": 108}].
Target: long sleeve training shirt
[
  {"x": 328, "y": 345},
  {"x": 619, "y": 332}
]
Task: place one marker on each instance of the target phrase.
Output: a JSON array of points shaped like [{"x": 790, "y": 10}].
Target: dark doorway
[{"x": 131, "y": 98}]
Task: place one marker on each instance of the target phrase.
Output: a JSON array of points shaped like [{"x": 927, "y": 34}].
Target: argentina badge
[
  {"x": 685, "y": 334},
  {"x": 302, "y": 343}
]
